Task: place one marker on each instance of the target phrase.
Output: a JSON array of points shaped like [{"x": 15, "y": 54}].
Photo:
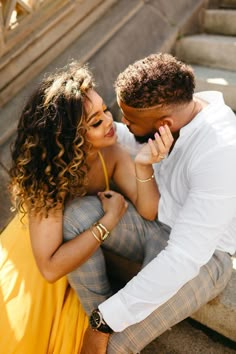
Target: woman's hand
[
  {"x": 114, "y": 205},
  {"x": 155, "y": 150}
]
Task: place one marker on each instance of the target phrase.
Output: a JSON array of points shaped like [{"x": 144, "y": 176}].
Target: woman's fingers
[
  {"x": 152, "y": 146},
  {"x": 164, "y": 140},
  {"x": 168, "y": 134}
]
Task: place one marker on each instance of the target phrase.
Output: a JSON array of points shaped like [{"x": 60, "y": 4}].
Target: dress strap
[{"x": 104, "y": 170}]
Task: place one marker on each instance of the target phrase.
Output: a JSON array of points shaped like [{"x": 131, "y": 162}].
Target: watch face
[
  {"x": 96, "y": 322},
  {"x": 95, "y": 319}
]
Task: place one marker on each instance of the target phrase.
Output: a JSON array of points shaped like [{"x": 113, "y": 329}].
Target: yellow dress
[{"x": 35, "y": 317}]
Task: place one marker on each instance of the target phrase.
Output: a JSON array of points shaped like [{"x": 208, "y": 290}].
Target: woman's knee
[{"x": 80, "y": 214}]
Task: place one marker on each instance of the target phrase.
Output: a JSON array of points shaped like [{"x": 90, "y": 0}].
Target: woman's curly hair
[
  {"x": 50, "y": 150},
  {"x": 156, "y": 79}
]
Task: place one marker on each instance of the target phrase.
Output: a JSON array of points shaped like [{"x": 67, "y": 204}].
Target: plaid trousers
[{"x": 140, "y": 241}]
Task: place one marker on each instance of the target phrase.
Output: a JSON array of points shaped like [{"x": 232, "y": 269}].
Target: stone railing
[{"x": 34, "y": 32}]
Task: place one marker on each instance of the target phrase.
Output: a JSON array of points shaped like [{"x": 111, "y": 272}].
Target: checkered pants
[{"x": 137, "y": 240}]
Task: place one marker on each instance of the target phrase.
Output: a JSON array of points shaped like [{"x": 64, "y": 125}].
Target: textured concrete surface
[
  {"x": 189, "y": 338},
  {"x": 214, "y": 79},
  {"x": 220, "y": 21}
]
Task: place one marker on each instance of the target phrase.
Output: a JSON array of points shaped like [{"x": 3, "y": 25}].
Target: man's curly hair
[
  {"x": 50, "y": 150},
  {"x": 156, "y": 79}
]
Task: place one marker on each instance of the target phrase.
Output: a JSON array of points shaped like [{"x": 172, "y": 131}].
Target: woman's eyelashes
[
  {"x": 96, "y": 124},
  {"x": 99, "y": 121}
]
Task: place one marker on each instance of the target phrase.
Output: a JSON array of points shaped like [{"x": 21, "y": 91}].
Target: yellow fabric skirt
[{"x": 35, "y": 317}]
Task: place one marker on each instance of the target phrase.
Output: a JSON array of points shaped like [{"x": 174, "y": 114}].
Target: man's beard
[{"x": 144, "y": 139}]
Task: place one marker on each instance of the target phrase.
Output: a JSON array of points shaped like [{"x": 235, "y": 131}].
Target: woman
[{"x": 66, "y": 147}]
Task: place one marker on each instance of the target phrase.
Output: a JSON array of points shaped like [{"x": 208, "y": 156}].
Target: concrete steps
[
  {"x": 228, "y": 4},
  {"x": 212, "y": 52},
  {"x": 208, "y": 50},
  {"x": 212, "y": 55},
  {"x": 220, "y": 21},
  {"x": 112, "y": 42}
]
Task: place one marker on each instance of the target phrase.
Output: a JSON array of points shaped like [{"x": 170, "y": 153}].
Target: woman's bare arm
[{"x": 56, "y": 258}]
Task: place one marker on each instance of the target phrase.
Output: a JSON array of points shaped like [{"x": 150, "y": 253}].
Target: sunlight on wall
[{"x": 219, "y": 81}]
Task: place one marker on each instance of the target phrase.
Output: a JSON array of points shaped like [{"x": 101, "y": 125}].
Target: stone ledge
[{"x": 194, "y": 49}]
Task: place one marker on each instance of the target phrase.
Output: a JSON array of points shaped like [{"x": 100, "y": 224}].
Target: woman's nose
[{"x": 109, "y": 118}]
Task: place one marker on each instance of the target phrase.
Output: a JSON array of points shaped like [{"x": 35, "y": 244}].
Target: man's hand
[{"x": 95, "y": 342}]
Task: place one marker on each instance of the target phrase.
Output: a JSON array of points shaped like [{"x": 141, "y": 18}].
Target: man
[{"x": 187, "y": 251}]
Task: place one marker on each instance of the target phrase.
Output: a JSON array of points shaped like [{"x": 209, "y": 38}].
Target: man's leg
[
  {"x": 211, "y": 280},
  {"x": 127, "y": 239}
]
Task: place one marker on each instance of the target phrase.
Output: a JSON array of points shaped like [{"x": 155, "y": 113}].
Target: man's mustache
[{"x": 144, "y": 139}]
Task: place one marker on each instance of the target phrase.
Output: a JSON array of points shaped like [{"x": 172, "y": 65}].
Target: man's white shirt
[{"x": 197, "y": 184}]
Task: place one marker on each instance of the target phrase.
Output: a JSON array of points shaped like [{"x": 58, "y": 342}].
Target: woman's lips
[{"x": 110, "y": 133}]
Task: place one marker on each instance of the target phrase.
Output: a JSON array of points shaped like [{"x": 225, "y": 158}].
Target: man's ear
[
  {"x": 165, "y": 121},
  {"x": 168, "y": 121}
]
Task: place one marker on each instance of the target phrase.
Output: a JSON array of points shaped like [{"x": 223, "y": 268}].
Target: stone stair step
[
  {"x": 228, "y": 3},
  {"x": 208, "y": 50},
  {"x": 220, "y": 21},
  {"x": 217, "y": 80}
]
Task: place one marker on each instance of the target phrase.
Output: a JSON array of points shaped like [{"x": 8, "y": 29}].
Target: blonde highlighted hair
[{"x": 50, "y": 150}]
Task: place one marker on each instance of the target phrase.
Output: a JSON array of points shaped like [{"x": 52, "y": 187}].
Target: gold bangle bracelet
[
  {"x": 94, "y": 235},
  {"x": 104, "y": 233},
  {"x": 99, "y": 230},
  {"x": 145, "y": 180}
]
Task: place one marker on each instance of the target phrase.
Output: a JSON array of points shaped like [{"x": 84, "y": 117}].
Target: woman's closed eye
[
  {"x": 96, "y": 124},
  {"x": 99, "y": 121}
]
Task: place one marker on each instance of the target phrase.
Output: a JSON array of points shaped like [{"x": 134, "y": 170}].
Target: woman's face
[{"x": 101, "y": 131}]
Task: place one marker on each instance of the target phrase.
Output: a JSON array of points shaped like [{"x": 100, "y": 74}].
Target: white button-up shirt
[{"x": 197, "y": 183}]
